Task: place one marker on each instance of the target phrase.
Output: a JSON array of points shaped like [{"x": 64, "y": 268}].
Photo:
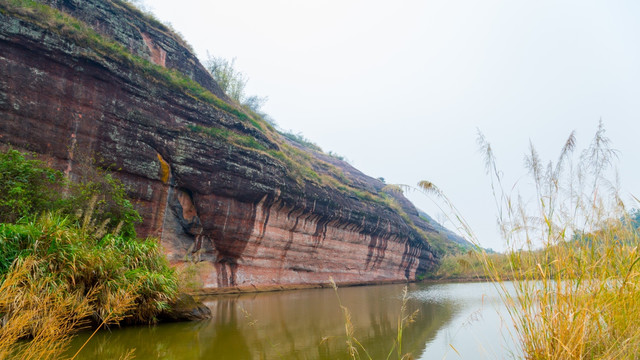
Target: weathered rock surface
[
  {"x": 185, "y": 308},
  {"x": 236, "y": 211},
  {"x": 142, "y": 35}
]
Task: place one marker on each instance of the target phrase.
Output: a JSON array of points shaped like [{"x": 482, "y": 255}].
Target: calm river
[{"x": 455, "y": 321}]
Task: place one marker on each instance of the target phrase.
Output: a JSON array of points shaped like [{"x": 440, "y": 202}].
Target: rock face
[
  {"x": 185, "y": 308},
  {"x": 235, "y": 210}
]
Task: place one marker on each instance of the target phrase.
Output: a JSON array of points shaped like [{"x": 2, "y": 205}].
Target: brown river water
[{"x": 455, "y": 321}]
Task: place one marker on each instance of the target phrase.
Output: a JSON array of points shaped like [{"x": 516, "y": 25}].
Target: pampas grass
[{"x": 573, "y": 253}]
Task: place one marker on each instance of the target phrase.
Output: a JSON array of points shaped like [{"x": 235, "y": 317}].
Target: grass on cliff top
[
  {"x": 149, "y": 17},
  {"x": 69, "y": 255},
  {"x": 229, "y": 136},
  {"x": 65, "y": 25}
]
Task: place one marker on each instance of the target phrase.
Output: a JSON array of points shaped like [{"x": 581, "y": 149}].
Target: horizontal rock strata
[{"x": 236, "y": 212}]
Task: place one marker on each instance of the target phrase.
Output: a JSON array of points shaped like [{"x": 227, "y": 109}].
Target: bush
[
  {"x": 233, "y": 82},
  {"x": 105, "y": 196},
  {"x": 26, "y": 186},
  {"x": 81, "y": 235},
  {"x": 74, "y": 256}
]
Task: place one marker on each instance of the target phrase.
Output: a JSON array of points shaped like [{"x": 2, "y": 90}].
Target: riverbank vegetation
[
  {"x": 70, "y": 257},
  {"x": 469, "y": 266},
  {"x": 573, "y": 254}
]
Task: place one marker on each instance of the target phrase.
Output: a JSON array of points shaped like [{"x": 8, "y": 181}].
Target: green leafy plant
[
  {"x": 86, "y": 234},
  {"x": 224, "y": 72},
  {"x": 26, "y": 186},
  {"x": 69, "y": 256}
]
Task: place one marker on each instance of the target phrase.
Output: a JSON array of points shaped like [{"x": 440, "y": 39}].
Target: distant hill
[{"x": 450, "y": 235}]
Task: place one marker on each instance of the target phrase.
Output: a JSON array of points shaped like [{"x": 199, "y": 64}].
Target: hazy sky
[{"x": 401, "y": 87}]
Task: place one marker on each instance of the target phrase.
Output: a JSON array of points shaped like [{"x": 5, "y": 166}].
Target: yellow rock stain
[{"x": 165, "y": 171}]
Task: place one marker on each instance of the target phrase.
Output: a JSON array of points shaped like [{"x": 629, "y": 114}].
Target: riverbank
[{"x": 290, "y": 287}]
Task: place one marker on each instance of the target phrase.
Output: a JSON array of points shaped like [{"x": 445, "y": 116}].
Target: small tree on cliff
[
  {"x": 233, "y": 82},
  {"x": 230, "y": 80}
]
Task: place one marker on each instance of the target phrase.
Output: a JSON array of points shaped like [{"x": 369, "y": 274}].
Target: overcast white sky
[{"x": 400, "y": 87}]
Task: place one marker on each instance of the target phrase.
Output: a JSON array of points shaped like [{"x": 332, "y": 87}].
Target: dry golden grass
[
  {"x": 30, "y": 309},
  {"x": 37, "y": 319},
  {"x": 59, "y": 273},
  {"x": 578, "y": 295},
  {"x": 573, "y": 253}
]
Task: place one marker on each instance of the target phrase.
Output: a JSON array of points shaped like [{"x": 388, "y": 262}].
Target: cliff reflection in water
[{"x": 301, "y": 324}]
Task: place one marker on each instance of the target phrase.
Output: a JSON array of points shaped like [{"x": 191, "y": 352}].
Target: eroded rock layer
[{"x": 235, "y": 211}]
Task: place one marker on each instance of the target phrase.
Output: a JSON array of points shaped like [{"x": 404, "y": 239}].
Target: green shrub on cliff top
[{"x": 228, "y": 135}]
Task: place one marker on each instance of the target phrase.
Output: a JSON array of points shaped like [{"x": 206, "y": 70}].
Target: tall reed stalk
[
  {"x": 355, "y": 348},
  {"x": 573, "y": 253}
]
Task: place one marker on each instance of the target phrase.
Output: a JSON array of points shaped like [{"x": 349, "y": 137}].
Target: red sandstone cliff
[{"x": 231, "y": 203}]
